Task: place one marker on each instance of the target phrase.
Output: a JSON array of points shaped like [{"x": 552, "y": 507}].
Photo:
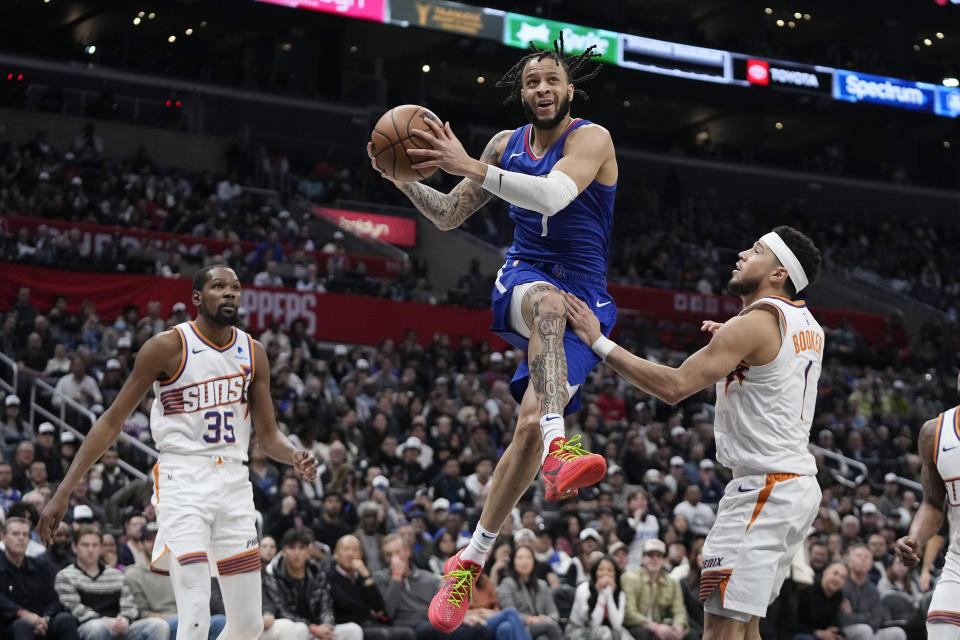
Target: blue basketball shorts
[{"x": 580, "y": 358}]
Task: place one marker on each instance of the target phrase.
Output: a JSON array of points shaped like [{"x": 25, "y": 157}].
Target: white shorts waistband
[{"x": 197, "y": 460}]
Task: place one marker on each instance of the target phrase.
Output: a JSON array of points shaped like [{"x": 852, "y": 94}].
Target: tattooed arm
[{"x": 448, "y": 210}]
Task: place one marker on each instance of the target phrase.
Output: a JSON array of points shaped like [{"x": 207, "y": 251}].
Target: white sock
[
  {"x": 479, "y": 546},
  {"x": 551, "y": 428}
]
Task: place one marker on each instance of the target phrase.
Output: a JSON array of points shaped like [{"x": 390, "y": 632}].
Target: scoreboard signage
[
  {"x": 520, "y": 30},
  {"x": 763, "y": 72},
  {"x": 892, "y": 92},
  {"x": 453, "y": 17},
  {"x": 363, "y": 9}
]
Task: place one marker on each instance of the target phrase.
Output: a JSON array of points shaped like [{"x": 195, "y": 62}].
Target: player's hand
[
  {"x": 51, "y": 516},
  {"x": 376, "y": 167},
  {"x": 711, "y": 326},
  {"x": 908, "y": 550},
  {"x": 445, "y": 152},
  {"x": 582, "y": 319},
  {"x": 305, "y": 465}
]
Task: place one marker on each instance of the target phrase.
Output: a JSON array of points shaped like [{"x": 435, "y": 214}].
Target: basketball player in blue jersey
[
  {"x": 212, "y": 384},
  {"x": 559, "y": 175}
]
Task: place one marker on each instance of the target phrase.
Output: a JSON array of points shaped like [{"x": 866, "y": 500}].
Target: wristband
[{"x": 602, "y": 346}]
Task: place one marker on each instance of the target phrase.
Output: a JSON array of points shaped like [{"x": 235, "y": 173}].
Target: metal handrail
[
  {"x": 838, "y": 474},
  {"x": 62, "y": 423},
  {"x": 11, "y": 387}
]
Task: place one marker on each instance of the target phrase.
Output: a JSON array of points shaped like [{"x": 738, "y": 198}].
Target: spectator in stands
[
  {"x": 654, "y": 601},
  {"x": 45, "y": 449},
  {"x": 690, "y": 587},
  {"x": 60, "y": 553},
  {"x": 450, "y": 485},
  {"x": 861, "y": 620},
  {"x": 637, "y": 525},
  {"x": 330, "y": 527},
  {"x": 711, "y": 489},
  {"x": 28, "y": 605},
  {"x": 289, "y": 509},
  {"x": 599, "y": 605},
  {"x": 481, "y": 478},
  {"x": 88, "y": 146},
  {"x": 819, "y": 558},
  {"x": 850, "y": 531},
  {"x": 818, "y": 606},
  {"x": 112, "y": 476},
  {"x": 407, "y": 592},
  {"x": 530, "y": 596},
  {"x": 268, "y": 550},
  {"x": 13, "y": 428},
  {"x": 21, "y": 464},
  {"x": 269, "y": 277},
  {"x": 58, "y": 364},
  {"x": 98, "y": 598},
  {"x": 78, "y": 386},
  {"x": 153, "y": 592},
  {"x": 9, "y": 494},
  {"x": 699, "y": 516},
  {"x": 297, "y": 596},
  {"x": 129, "y": 549},
  {"x": 311, "y": 281},
  {"x": 355, "y": 595},
  {"x": 370, "y": 534}
]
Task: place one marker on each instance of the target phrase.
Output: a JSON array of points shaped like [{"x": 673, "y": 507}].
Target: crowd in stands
[
  {"x": 82, "y": 185},
  {"x": 408, "y": 434}
]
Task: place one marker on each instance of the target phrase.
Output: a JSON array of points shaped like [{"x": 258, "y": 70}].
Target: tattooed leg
[{"x": 547, "y": 319}]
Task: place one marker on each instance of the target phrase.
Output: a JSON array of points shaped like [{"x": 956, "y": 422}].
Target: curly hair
[{"x": 578, "y": 67}]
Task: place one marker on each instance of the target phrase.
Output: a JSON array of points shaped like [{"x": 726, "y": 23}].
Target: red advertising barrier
[
  {"x": 328, "y": 316},
  {"x": 351, "y": 318},
  {"x": 97, "y": 235},
  {"x": 391, "y": 229}
]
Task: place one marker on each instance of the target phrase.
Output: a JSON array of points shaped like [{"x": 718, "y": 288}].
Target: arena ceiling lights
[{"x": 647, "y": 54}]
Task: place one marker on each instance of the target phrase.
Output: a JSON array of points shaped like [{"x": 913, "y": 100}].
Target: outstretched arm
[
  {"x": 158, "y": 357},
  {"x": 929, "y": 517},
  {"x": 741, "y": 338},
  {"x": 449, "y": 210}
]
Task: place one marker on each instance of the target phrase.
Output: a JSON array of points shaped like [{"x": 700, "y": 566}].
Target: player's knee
[
  {"x": 527, "y": 437},
  {"x": 550, "y": 304}
]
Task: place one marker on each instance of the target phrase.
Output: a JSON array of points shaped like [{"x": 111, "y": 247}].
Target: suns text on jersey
[{"x": 206, "y": 394}]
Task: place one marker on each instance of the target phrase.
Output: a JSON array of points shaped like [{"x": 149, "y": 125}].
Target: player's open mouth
[{"x": 544, "y": 105}]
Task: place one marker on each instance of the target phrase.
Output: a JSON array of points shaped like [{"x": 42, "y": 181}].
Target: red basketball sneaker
[
  {"x": 449, "y": 607},
  {"x": 569, "y": 467}
]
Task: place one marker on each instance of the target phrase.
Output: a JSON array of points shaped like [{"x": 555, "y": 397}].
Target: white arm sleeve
[{"x": 543, "y": 194}]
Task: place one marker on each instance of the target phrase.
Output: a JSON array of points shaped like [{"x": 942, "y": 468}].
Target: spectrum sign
[{"x": 891, "y": 92}]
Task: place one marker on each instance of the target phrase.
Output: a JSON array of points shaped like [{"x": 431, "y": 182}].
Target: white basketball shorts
[
  {"x": 761, "y": 523},
  {"x": 205, "y": 513}
]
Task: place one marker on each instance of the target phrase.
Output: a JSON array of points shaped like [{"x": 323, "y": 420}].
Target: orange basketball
[{"x": 393, "y": 135}]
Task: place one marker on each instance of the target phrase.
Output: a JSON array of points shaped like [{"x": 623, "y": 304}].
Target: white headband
[{"x": 787, "y": 259}]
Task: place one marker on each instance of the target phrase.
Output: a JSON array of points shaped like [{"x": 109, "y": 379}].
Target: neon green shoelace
[
  {"x": 462, "y": 587},
  {"x": 570, "y": 450}
]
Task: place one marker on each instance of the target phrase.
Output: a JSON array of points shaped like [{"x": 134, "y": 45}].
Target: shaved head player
[{"x": 212, "y": 384}]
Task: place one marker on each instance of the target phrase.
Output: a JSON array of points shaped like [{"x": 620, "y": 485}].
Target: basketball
[{"x": 393, "y": 135}]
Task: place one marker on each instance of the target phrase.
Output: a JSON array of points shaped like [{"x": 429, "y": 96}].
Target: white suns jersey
[
  {"x": 203, "y": 408},
  {"x": 947, "y": 456},
  {"x": 764, "y": 413}
]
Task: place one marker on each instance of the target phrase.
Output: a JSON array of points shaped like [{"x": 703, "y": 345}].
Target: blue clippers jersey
[{"x": 578, "y": 236}]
